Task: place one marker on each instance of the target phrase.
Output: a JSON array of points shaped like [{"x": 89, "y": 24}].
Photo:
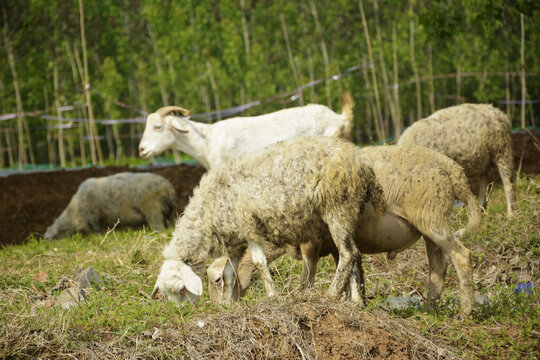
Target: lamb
[
  {"x": 475, "y": 136},
  {"x": 294, "y": 193},
  {"x": 214, "y": 144},
  {"x": 419, "y": 186},
  {"x": 131, "y": 198}
]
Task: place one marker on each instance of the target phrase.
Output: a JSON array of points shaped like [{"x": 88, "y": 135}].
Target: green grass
[{"x": 505, "y": 253}]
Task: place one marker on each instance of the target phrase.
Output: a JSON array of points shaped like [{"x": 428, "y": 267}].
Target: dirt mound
[
  {"x": 30, "y": 202},
  {"x": 310, "y": 329}
]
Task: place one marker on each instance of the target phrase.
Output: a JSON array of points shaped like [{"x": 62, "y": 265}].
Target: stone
[{"x": 402, "y": 303}]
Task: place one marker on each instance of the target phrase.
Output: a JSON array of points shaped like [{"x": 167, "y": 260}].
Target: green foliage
[{"x": 220, "y": 54}]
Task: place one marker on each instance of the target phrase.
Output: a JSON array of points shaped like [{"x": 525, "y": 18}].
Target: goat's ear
[
  {"x": 192, "y": 282},
  {"x": 178, "y": 126}
]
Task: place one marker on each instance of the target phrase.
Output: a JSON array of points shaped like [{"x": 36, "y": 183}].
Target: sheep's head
[
  {"x": 178, "y": 282},
  {"x": 218, "y": 273},
  {"x": 159, "y": 133},
  {"x": 215, "y": 280},
  {"x": 68, "y": 223}
]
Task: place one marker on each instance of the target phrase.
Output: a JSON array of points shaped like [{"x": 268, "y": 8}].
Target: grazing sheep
[
  {"x": 419, "y": 187},
  {"x": 292, "y": 193},
  {"x": 214, "y": 144},
  {"x": 475, "y": 136},
  {"x": 131, "y": 198}
]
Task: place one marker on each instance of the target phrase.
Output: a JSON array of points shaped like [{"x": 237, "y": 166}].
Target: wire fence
[{"x": 8, "y": 146}]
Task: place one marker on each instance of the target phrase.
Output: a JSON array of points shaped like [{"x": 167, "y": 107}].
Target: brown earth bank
[{"x": 30, "y": 202}]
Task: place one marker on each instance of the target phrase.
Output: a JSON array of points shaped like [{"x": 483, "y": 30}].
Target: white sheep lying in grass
[
  {"x": 419, "y": 187},
  {"x": 279, "y": 197},
  {"x": 288, "y": 194},
  {"x": 475, "y": 136},
  {"x": 130, "y": 198},
  {"x": 215, "y": 144}
]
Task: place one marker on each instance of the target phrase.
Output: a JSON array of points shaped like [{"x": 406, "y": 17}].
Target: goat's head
[
  {"x": 159, "y": 133},
  {"x": 178, "y": 282}
]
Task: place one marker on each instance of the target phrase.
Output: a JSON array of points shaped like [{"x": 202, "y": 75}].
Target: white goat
[
  {"x": 214, "y": 144},
  {"x": 475, "y": 136},
  {"x": 131, "y": 198}
]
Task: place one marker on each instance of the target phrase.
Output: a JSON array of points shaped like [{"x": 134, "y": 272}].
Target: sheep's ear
[
  {"x": 178, "y": 126},
  {"x": 192, "y": 282}
]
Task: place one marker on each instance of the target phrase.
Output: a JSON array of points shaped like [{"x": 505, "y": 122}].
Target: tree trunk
[
  {"x": 522, "y": 70},
  {"x": 397, "y": 121},
  {"x": 379, "y": 126},
  {"x": 312, "y": 92},
  {"x": 415, "y": 72},
  {"x": 458, "y": 77},
  {"x": 60, "y": 123},
  {"x": 215, "y": 89},
  {"x": 22, "y": 159},
  {"x": 157, "y": 56},
  {"x": 290, "y": 56},
  {"x": 388, "y": 97},
  {"x": 94, "y": 135},
  {"x": 431, "y": 85},
  {"x": 324, "y": 53}
]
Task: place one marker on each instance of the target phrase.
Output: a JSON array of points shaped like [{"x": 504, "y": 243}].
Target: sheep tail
[
  {"x": 347, "y": 105},
  {"x": 463, "y": 193}
]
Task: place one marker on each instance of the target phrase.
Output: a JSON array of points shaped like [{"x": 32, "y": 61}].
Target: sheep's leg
[
  {"x": 229, "y": 280},
  {"x": 437, "y": 272},
  {"x": 153, "y": 214},
  {"x": 357, "y": 283},
  {"x": 259, "y": 259},
  {"x": 482, "y": 188},
  {"x": 310, "y": 255},
  {"x": 460, "y": 257},
  {"x": 504, "y": 163},
  {"x": 348, "y": 255}
]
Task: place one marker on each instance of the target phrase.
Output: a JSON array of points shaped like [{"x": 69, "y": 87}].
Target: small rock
[
  {"x": 88, "y": 277},
  {"x": 402, "y": 303},
  {"x": 72, "y": 296},
  {"x": 482, "y": 300}
]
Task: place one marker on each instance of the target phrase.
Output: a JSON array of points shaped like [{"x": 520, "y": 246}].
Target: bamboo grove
[{"x": 77, "y": 77}]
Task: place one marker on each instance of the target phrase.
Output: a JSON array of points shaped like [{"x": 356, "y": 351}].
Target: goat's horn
[
  {"x": 166, "y": 110},
  {"x": 154, "y": 292}
]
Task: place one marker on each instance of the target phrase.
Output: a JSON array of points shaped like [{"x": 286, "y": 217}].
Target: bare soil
[{"x": 30, "y": 202}]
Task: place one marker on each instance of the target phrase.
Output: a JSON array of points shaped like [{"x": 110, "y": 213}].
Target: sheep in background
[
  {"x": 214, "y": 144},
  {"x": 294, "y": 192},
  {"x": 130, "y": 198},
  {"x": 419, "y": 187},
  {"x": 475, "y": 136}
]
